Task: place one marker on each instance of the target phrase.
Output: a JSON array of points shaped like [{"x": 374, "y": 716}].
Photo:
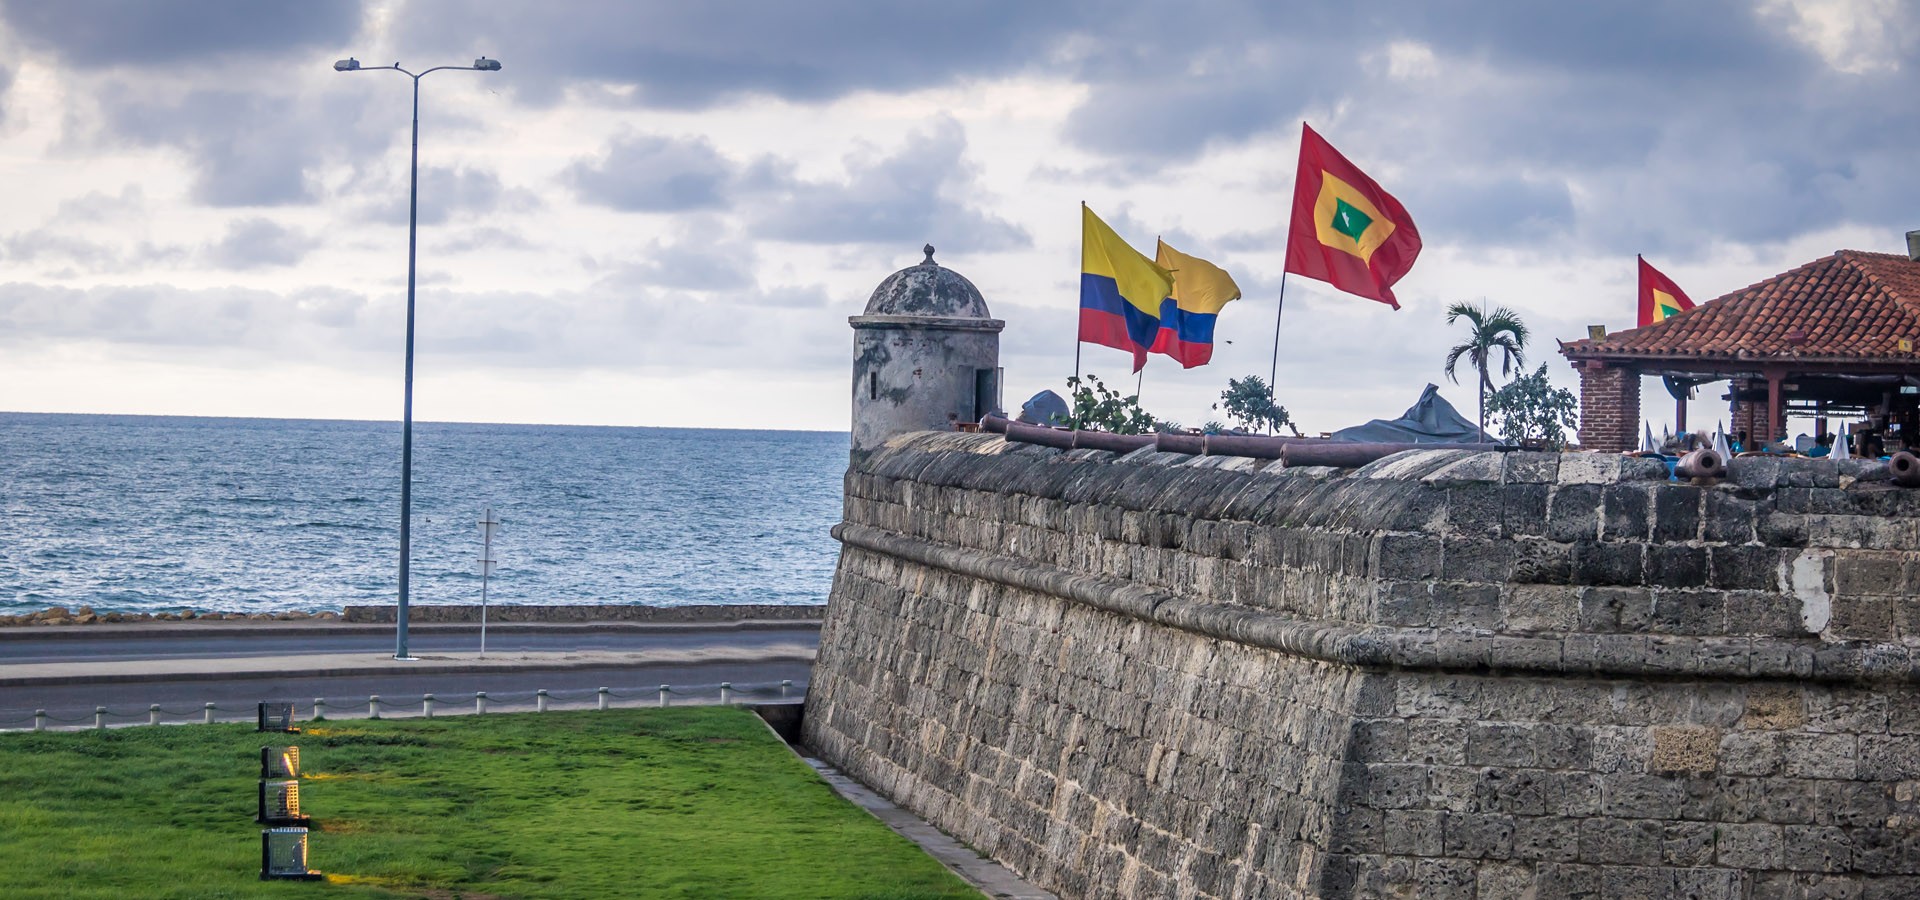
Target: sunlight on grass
[{"x": 680, "y": 803}]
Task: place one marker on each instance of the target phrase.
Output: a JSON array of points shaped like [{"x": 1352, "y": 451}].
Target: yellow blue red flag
[
  {"x": 1200, "y": 289},
  {"x": 1121, "y": 291}
]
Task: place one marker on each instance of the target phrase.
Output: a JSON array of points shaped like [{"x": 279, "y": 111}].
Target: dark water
[{"x": 144, "y": 513}]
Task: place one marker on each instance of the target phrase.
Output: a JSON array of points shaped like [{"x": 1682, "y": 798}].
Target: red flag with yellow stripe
[
  {"x": 1347, "y": 231},
  {"x": 1660, "y": 298}
]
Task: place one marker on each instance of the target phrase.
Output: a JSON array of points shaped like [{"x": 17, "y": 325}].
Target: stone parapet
[{"x": 1444, "y": 674}]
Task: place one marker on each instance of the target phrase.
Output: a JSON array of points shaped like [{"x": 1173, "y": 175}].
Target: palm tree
[{"x": 1501, "y": 332}]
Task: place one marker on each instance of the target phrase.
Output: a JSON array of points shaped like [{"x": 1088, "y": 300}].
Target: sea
[{"x": 165, "y": 514}]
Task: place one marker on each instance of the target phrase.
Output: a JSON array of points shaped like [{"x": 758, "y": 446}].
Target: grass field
[{"x": 686, "y": 803}]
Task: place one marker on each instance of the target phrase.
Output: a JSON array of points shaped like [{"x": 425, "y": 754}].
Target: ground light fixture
[
  {"x": 277, "y": 716},
  {"x": 280, "y": 804},
  {"x": 350, "y": 64},
  {"x": 283, "y": 855},
  {"x": 279, "y": 762}
]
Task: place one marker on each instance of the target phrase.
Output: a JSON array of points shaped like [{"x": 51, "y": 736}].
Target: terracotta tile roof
[{"x": 1853, "y": 305}]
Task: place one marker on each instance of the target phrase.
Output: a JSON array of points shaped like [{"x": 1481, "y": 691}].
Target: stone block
[
  {"x": 1626, "y": 512},
  {"x": 1816, "y": 848},
  {"x": 1406, "y": 557},
  {"x": 1687, "y": 844},
  {"x": 1573, "y": 513},
  {"x": 1751, "y": 847},
  {"x": 1599, "y": 563},
  {"x": 1685, "y": 750},
  {"x": 1752, "y": 753},
  {"x": 1473, "y": 606},
  {"x": 1413, "y": 832},
  {"x": 1726, "y": 518},
  {"x": 1589, "y": 468},
  {"x": 1621, "y": 842},
  {"x": 1535, "y": 608},
  {"x": 1819, "y": 755},
  {"x": 1613, "y": 609},
  {"x": 1869, "y": 573},
  {"x": 1477, "y": 560},
  {"x": 1689, "y": 612},
  {"x": 1530, "y": 468},
  {"x": 1478, "y": 836},
  {"x": 1676, "y": 565},
  {"x": 1542, "y": 562},
  {"x": 1746, "y": 568},
  {"x": 1523, "y": 510}
]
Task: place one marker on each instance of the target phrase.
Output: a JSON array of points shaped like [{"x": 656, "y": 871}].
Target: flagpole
[
  {"x": 1273, "y": 374},
  {"x": 1072, "y": 420}
]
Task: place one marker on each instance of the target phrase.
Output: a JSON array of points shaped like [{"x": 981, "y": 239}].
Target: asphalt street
[{"x": 70, "y": 671}]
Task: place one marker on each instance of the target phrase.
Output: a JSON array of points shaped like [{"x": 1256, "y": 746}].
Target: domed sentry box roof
[{"x": 928, "y": 290}]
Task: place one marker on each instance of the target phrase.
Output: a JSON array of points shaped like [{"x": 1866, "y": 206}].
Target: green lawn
[{"x": 693, "y": 802}]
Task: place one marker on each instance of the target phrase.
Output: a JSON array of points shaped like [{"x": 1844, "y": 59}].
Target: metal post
[
  {"x": 479, "y": 703},
  {"x": 488, "y": 524},
  {"x": 153, "y": 714},
  {"x": 603, "y": 698},
  {"x": 786, "y": 684},
  {"x": 373, "y": 707},
  {"x": 319, "y": 708},
  {"x": 663, "y": 694},
  {"x": 209, "y": 712},
  {"x": 39, "y": 720},
  {"x": 406, "y": 428},
  {"x": 426, "y": 706},
  {"x": 540, "y": 700},
  {"x": 726, "y": 692},
  {"x": 99, "y": 717}
]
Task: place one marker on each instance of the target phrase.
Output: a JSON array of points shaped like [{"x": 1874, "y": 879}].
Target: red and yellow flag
[
  {"x": 1660, "y": 298},
  {"x": 1346, "y": 231}
]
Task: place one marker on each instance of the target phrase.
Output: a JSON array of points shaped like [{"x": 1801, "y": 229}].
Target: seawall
[{"x": 1446, "y": 674}]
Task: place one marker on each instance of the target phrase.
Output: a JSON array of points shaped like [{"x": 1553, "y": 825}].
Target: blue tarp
[{"x": 1430, "y": 420}]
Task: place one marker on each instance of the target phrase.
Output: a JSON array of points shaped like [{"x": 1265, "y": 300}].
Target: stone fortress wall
[{"x": 1445, "y": 674}]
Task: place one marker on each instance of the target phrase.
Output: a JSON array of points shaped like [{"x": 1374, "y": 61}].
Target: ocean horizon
[{"x": 144, "y": 513}]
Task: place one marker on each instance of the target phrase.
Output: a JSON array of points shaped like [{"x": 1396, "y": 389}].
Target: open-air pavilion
[{"x": 1833, "y": 340}]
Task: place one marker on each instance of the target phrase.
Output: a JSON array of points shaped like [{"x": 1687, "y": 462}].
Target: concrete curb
[
  {"x": 308, "y": 628},
  {"x": 425, "y": 666}
]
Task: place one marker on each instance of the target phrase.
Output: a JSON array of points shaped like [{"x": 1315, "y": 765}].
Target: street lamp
[{"x": 350, "y": 64}]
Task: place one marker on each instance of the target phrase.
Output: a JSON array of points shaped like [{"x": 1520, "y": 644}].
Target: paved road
[
  {"x": 69, "y": 671},
  {"x": 84, "y": 645}
]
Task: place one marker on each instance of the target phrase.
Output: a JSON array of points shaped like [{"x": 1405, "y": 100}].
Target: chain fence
[{"x": 400, "y": 706}]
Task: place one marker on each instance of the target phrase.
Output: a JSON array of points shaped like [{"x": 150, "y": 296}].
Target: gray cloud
[
  {"x": 695, "y": 55},
  {"x": 608, "y": 327},
  {"x": 260, "y": 243},
  {"x": 702, "y": 257},
  {"x": 445, "y": 193},
  {"x": 122, "y": 33},
  {"x": 652, "y": 173},
  {"x": 926, "y": 188}
]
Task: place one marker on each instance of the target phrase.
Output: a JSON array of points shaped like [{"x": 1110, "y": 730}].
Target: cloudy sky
[{"x": 662, "y": 213}]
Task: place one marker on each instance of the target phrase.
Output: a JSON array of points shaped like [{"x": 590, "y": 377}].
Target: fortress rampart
[{"x": 1446, "y": 674}]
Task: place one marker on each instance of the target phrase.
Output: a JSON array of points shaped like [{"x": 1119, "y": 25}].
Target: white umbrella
[
  {"x": 1720, "y": 444},
  {"x": 1840, "y": 445},
  {"x": 1647, "y": 444}
]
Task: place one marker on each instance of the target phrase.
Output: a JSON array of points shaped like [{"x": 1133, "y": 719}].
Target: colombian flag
[
  {"x": 1121, "y": 291},
  {"x": 1200, "y": 289},
  {"x": 1346, "y": 231},
  {"x": 1660, "y": 298}
]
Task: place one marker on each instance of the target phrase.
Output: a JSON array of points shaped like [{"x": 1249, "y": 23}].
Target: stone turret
[{"x": 926, "y": 355}]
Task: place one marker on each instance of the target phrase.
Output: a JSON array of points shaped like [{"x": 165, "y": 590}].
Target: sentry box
[
  {"x": 277, "y": 716},
  {"x": 279, "y": 762},
  {"x": 280, "y": 804},
  {"x": 283, "y": 855}
]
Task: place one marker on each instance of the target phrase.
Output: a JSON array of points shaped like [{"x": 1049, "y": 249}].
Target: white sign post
[{"x": 488, "y": 525}]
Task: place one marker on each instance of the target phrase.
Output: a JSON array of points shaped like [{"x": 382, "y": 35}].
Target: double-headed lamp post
[{"x": 350, "y": 64}]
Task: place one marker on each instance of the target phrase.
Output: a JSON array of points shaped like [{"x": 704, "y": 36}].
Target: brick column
[{"x": 1609, "y": 407}]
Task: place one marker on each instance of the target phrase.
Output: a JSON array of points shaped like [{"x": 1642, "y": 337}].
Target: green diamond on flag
[{"x": 1350, "y": 221}]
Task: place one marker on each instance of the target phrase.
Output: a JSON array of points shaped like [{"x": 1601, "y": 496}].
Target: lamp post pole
[{"x": 350, "y": 64}]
